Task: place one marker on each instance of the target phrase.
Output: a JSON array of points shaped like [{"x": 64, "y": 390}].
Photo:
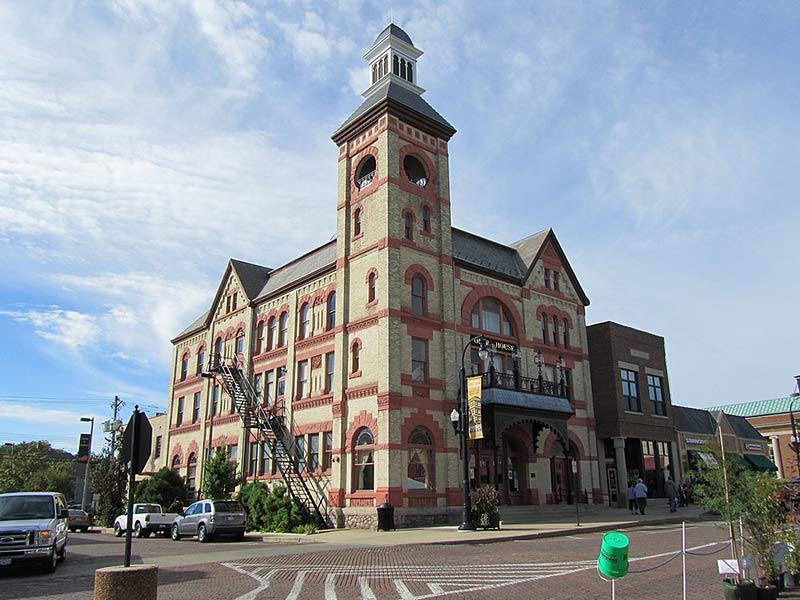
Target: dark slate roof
[
  {"x": 393, "y": 91},
  {"x": 693, "y": 420},
  {"x": 488, "y": 255},
  {"x": 526, "y": 400},
  {"x": 743, "y": 429},
  {"x": 298, "y": 269},
  {"x": 196, "y": 324},
  {"x": 396, "y": 32},
  {"x": 253, "y": 277}
]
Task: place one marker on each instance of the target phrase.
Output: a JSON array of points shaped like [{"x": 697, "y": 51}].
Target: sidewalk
[{"x": 545, "y": 525}]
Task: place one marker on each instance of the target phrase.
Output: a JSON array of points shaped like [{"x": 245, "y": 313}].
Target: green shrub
[
  {"x": 485, "y": 503},
  {"x": 273, "y": 510}
]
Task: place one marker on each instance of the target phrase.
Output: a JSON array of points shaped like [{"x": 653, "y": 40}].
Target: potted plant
[
  {"x": 485, "y": 503},
  {"x": 764, "y": 524}
]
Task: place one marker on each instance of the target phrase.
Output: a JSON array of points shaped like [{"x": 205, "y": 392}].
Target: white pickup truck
[{"x": 147, "y": 519}]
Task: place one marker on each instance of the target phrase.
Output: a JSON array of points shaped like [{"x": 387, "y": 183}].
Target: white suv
[{"x": 33, "y": 528}]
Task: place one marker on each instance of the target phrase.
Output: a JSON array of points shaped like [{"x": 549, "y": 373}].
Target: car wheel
[
  {"x": 174, "y": 534},
  {"x": 202, "y": 534},
  {"x": 239, "y": 537},
  {"x": 84, "y": 529},
  {"x": 50, "y": 564},
  {"x": 145, "y": 534},
  {"x": 137, "y": 530},
  {"x": 117, "y": 530},
  {"x": 72, "y": 530},
  {"x": 63, "y": 554}
]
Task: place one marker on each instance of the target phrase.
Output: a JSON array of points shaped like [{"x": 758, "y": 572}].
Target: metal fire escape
[{"x": 270, "y": 422}]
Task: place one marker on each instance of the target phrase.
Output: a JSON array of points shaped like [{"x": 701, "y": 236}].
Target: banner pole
[{"x": 683, "y": 553}]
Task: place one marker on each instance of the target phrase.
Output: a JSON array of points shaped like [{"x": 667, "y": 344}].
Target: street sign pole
[{"x": 132, "y": 477}]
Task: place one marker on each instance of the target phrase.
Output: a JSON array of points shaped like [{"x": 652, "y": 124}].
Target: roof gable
[{"x": 545, "y": 243}]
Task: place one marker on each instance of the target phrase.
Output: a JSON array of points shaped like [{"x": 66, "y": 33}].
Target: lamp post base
[{"x": 466, "y": 527}]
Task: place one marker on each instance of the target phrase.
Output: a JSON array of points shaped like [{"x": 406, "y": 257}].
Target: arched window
[
  {"x": 191, "y": 471},
  {"x": 544, "y": 328},
  {"x": 371, "y": 287},
  {"x": 305, "y": 321},
  {"x": 239, "y": 342},
  {"x": 403, "y": 68},
  {"x": 355, "y": 358},
  {"x": 201, "y": 361},
  {"x": 284, "y": 329},
  {"x": 408, "y": 226},
  {"x": 396, "y": 65},
  {"x": 363, "y": 461},
  {"x": 184, "y": 366},
  {"x": 555, "y": 330},
  {"x": 261, "y": 332},
  {"x": 366, "y": 172},
  {"x": 331, "y": 311},
  {"x": 357, "y": 222},
  {"x": 410, "y": 72},
  {"x": 415, "y": 171},
  {"x": 374, "y": 73},
  {"x": 420, "y": 460},
  {"x": 426, "y": 219},
  {"x": 386, "y": 64},
  {"x": 418, "y": 295},
  {"x": 176, "y": 462},
  {"x": 219, "y": 348},
  {"x": 272, "y": 330},
  {"x": 566, "y": 333},
  {"x": 491, "y": 316}
]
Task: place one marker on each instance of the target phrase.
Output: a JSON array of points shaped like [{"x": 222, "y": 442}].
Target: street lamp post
[
  {"x": 88, "y": 461},
  {"x": 460, "y": 422},
  {"x": 795, "y": 442}
]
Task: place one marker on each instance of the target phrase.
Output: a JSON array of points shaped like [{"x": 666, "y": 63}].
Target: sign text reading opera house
[{"x": 352, "y": 352}]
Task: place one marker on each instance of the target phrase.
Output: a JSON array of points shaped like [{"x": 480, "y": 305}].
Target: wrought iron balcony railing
[{"x": 531, "y": 385}]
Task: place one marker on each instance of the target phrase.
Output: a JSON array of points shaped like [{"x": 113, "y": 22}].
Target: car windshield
[
  {"x": 228, "y": 506},
  {"x": 18, "y": 508}
]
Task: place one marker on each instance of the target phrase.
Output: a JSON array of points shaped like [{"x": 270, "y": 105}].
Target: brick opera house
[{"x": 360, "y": 341}]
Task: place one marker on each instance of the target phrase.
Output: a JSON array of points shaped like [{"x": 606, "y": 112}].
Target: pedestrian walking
[
  {"x": 640, "y": 491},
  {"x": 631, "y": 498},
  {"x": 671, "y": 490}
]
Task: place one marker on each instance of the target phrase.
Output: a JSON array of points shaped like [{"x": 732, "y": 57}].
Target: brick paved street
[{"x": 562, "y": 567}]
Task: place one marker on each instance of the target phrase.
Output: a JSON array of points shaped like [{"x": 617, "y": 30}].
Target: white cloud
[{"x": 68, "y": 328}]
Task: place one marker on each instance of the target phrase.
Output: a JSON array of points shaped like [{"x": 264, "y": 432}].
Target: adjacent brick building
[
  {"x": 359, "y": 342},
  {"x": 633, "y": 408}
]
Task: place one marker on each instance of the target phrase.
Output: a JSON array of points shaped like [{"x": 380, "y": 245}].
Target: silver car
[
  {"x": 209, "y": 518},
  {"x": 79, "y": 519}
]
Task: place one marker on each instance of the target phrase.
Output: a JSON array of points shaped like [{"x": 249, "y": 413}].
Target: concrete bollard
[{"x": 118, "y": 583}]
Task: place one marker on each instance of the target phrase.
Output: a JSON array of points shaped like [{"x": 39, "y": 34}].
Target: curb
[{"x": 571, "y": 531}]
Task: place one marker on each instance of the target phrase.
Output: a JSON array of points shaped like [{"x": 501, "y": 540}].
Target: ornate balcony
[{"x": 531, "y": 385}]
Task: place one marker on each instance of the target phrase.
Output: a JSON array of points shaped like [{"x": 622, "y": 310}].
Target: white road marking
[
  {"x": 366, "y": 591},
  {"x": 330, "y": 586},
  {"x": 440, "y": 580},
  {"x": 298, "y": 586}
]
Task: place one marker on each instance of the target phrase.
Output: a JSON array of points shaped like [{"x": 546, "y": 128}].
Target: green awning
[{"x": 760, "y": 462}]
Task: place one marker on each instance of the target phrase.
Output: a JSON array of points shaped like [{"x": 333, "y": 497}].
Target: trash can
[{"x": 385, "y": 517}]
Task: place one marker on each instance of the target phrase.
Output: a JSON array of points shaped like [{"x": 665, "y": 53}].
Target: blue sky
[{"x": 659, "y": 140}]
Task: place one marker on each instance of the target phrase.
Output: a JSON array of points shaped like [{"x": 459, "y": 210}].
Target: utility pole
[{"x": 116, "y": 405}]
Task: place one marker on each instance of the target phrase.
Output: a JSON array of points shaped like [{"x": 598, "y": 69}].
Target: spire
[{"x": 392, "y": 57}]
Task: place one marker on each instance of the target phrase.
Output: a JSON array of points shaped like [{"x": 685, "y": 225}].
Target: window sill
[
  {"x": 372, "y": 303},
  {"x": 660, "y": 416},
  {"x": 634, "y": 412},
  {"x": 358, "y": 236},
  {"x": 355, "y": 374}
]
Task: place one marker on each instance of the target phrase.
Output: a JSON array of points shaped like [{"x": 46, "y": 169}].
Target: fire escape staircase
[{"x": 270, "y": 422}]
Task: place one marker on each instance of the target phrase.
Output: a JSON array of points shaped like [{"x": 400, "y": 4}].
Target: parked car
[
  {"x": 33, "y": 529},
  {"x": 78, "y": 519},
  {"x": 147, "y": 519},
  {"x": 209, "y": 518}
]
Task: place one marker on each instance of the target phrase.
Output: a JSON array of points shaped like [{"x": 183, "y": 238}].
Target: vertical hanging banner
[
  {"x": 83, "y": 447},
  {"x": 474, "y": 393}
]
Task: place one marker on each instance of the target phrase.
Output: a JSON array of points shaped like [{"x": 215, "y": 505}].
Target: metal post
[
  {"x": 131, "y": 478},
  {"x": 466, "y": 515},
  {"x": 613, "y": 589},
  {"x": 795, "y": 444},
  {"x": 734, "y": 549},
  {"x": 88, "y": 462},
  {"x": 683, "y": 556}
]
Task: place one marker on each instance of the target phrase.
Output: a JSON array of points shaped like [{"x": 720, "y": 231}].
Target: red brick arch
[
  {"x": 177, "y": 451},
  {"x": 484, "y": 291},
  {"x": 547, "y": 447},
  {"x": 417, "y": 419},
  {"x": 363, "y": 419},
  {"x": 356, "y": 162},
  {"x": 420, "y": 154},
  {"x": 553, "y": 310},
  {"x": 417, "y": 269}
]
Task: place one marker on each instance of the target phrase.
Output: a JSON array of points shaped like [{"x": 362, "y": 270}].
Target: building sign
[
  {"x": 83, "y": 447},
  {"x": 474, "y": 394},
  {"x": 754, "y": 447},
  {"x": 498, "y": 346},
  {"x": 695, "y": 441}
]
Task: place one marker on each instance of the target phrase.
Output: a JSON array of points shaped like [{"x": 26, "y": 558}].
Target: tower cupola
[{"x": 392, "y": 57}]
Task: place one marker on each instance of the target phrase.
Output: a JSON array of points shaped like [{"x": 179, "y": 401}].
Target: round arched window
[
  {"x": 366, "y": 172},
  {"x": 363, "y": 461},
  {"x": 420, "y": 460},
  {"x": 491, "y": 316},
  {"x": 415, "y": 171}
]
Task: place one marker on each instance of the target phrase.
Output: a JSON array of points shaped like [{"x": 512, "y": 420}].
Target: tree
[
  {"x": 36, "y": 466},
  {"x": 220, "y": 476},
  {"x": 166, "y": 488},
  {"x": 109, "y": 479}
]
